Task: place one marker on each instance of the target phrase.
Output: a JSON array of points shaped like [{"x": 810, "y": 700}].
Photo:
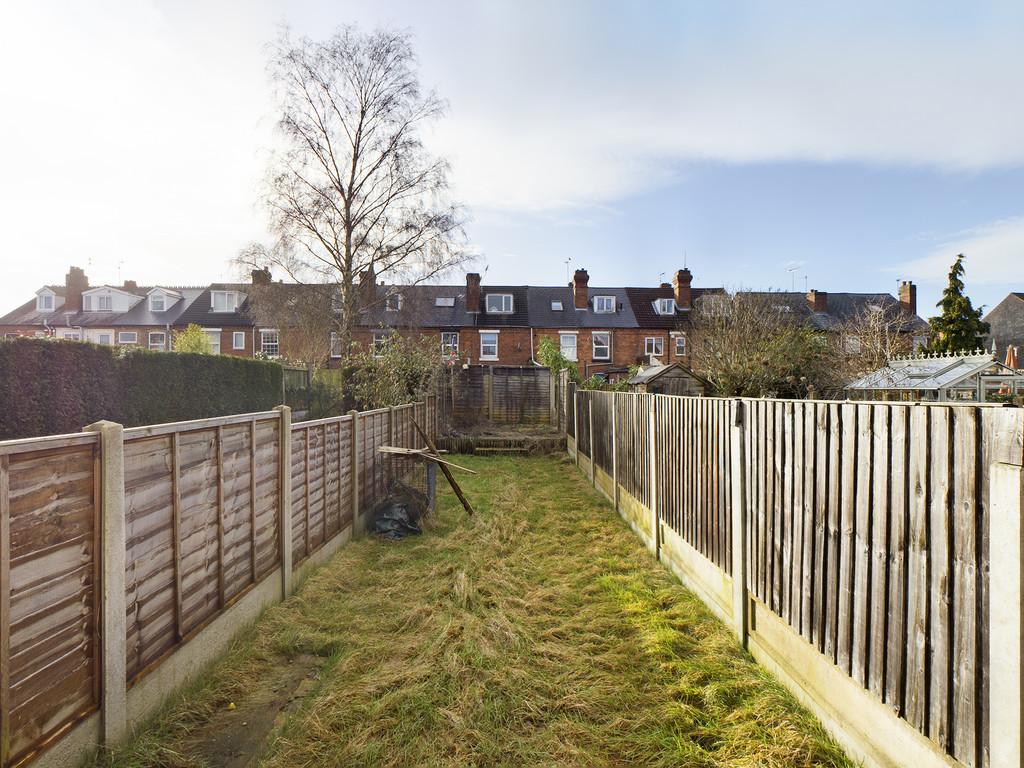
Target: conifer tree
[{"x": 959, "y": 328}]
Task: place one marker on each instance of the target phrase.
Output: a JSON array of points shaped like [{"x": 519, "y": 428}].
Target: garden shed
[
  {"x": 671, "y": 379},
  {"x": 963, "y": 377}
]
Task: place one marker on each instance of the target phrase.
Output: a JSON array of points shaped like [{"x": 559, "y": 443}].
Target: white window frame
[
  {"x": 213, "y": 334},
  {"x": 665, "y": 306},
  {"x": 450, "y": 343},
  {"x": 109, "y": 337},
  {"x": 652, "y": 344},
  {"x": 679, "y": 338},
  {"x": 162, "y": 298},
  {"x": 162, "y": 346},
  {"x": 604, "y": 304},
  {"x": 335, "y": 342},
  {"x": 230, "y": 301},
  {"x": 484, "y": 344},
  {"x": 122, "y": 337},
  {"x": 235, "y": 336},
  {"x": 264, "y": 332},
  {"x": 379, "y": 338},
  {"x": 393, "y": 302},
  {"x": 444, "y": 301},
  {"x": 557, "y": 306},
  {"x": 107, "y": 300},
  {"x": 568, "y": 351},
  {"x": 506, "y": 300},
  {"x": 42, "y": 300},
  {"x": 65, "y": 335},
  {"x": 607, "y": 345}
]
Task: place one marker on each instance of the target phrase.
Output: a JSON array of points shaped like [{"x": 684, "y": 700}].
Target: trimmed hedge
[{"x": 54, "y": 387}]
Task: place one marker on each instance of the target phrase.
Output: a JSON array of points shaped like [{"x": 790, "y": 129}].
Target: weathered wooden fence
[
  {"x": 499, "y": 395},
  {"x": 129, "y": 557},
  {"x": 851, "y": 545}
]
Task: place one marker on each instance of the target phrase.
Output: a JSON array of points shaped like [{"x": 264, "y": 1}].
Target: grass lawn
[{"x": 539, "y": 632}]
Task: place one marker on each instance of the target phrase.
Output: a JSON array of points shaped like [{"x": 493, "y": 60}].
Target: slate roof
[
  {"x": 841, "y": 307},
  {"x": 1006, "y": 321},
  {"x": 642, "y": 302},
  {"x": 140, "y": 314},
  {"x": 419, "y": 308},
  {"x": 543, "y": 316},
  {"x": 200, "y": 311},
  {"x": 520, "y": 315}
]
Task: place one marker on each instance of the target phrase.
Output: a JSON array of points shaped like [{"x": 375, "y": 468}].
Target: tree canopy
[{"x": 959, "y": 327}]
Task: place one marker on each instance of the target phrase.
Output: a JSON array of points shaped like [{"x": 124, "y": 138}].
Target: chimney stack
[
  {"x": 74, "y": 283},
  {"x": 472, "y": 291},
  {"x": 580, "y": 297},
  {"x": 262, "y": 276},
  {"x": 817, "y": 300},
  {"x": 368, "y": 286},
  {"x": 130, "y": 285},
  {"x": 908, "y": 296},
  {"x": 681, "y": 285}
]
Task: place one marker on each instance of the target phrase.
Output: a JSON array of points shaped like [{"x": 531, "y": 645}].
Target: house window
[
  {"x": 44, "y": 302},
  {"x": 106, "y": 339},
  {"x": 604, "y": 303},
  {"x": 214, "y": 337},
  {"x": 450, "y": 343},
  {"x": 104, "y": 303},
  {"x": 335, "y": 344},
  {"x": 238, "y": 340},
  {"x": 665, "y": 306},
  {"x": 223, "y": 301},
  {"x": 127, "y": 337},
  {"x": 556, "y": 306},
  {"x": 499, "y": 303},
  {"x": 69, "y": 335},
  {"x": 680, "y": 346},
  {"x": 157, "y": 341},
  {"x": 270, "y": 343},
  {"x": 380, "y": 338},
  {"x": 488, "y": 345},
  {"x": 157, "y": 302},
  {"x": 602, "y": 345},
  {"x": 567, "y": 345},
  {"x": 393, "y": 303},
  {"x": 444, "y": 301},
  {"x": 654, "y": 345}
]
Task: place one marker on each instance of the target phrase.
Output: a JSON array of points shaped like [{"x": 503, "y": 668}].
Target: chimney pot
[
  {"x": 580, "y": 296},
  {"x": 908, "y": 297},
  {"x": 817, "y": 300},
  {"x": 472, "y": 291},
  {"x": 681, "y": 285}
]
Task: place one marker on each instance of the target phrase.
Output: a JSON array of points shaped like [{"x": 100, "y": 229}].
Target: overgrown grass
[{"x": 538, "y": 632}]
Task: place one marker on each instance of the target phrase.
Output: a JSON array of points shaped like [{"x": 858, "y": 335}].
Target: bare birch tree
[
  {"x": 869, "y": 338},
  {"x": 353, "y": 190}
]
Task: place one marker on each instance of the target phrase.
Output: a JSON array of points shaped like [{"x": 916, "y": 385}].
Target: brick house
[{"x": 1006, "y": 324}]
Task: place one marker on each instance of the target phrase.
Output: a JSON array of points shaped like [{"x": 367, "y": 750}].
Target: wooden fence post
[
  {"x": 590, "y": 431},
  {"x": 737, "y": 474},
  {"x": 576, "y": 426},
  {"x": 114, "y": 699},
  {"x": 653, "y": 454},
  {"x": 615, "y": 452},
  {"x": 1006, "y": 620},
  {"x": 357, "y": 523},
  {"x": 284, "y": 521}
]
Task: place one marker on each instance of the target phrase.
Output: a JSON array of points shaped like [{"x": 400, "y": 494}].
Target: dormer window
[
  {"x": 665, "y": 306},
  {"x": 556, "y": 306},
  {"x": 104, "y": 303},
  {"x": 499, "y": 303},
  {"x": 44, "y": 302},
  {"x": 223, "y": 301},
  {"x": 393, "y": 303},
  {"x": 157, "y": 302},
  {"x": 604, "y": 304}
]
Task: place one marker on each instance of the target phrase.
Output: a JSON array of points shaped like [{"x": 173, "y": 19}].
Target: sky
[{"x": 836, "y": 146}]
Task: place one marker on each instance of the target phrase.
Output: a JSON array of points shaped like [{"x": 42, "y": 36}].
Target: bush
[{"x": 53, "y": 387}]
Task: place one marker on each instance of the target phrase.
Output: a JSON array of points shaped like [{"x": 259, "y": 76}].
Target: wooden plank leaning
[{"x": 444, "y": 469}]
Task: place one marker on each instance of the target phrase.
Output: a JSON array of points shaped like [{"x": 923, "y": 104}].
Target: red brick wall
[{"x": 627, "y": 347}]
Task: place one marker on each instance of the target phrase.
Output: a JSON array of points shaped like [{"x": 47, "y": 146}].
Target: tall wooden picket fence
[
  {"x": 869, "y": 554},
  {"x": 129, "y": 557}
]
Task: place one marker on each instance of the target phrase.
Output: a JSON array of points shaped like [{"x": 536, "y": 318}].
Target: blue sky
[{"x": 855, "y": 143}]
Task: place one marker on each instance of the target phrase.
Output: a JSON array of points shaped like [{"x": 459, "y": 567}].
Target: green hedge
[{"x": 52, "y": 387}]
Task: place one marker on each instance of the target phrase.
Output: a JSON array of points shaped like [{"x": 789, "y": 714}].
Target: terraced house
[{"x": 600, "y": 328}]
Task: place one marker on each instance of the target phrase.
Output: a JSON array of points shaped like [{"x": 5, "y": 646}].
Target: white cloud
[{"x": 994, "y": 255}]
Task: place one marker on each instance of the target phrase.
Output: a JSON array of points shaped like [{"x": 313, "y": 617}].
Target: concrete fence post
[
  {"x": 1006, "y": 618},
  {"x": 357, "y": 522},
  {"x": 653, "y": 457},
  {"x": 114, "y": 700},
  {"x": 737, "y": 474},
  {"x": 284, "y": 523}
]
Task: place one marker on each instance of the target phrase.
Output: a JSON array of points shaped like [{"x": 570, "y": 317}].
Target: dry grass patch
[{"x": 538, "y": 632}]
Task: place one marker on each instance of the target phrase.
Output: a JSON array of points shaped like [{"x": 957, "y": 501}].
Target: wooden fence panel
[
  {"x": 300, "y": 493},
  {"x": 200, "y": 528},
  {"x": 49, "y": 601}
]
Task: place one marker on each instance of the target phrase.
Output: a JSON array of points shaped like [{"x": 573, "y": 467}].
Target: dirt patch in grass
[{"x": 538, "y": 632}]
